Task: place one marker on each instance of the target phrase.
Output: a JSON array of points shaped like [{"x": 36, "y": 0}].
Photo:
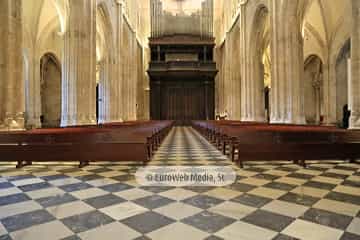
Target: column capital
[
  {"x": 119, "y": 2},
  {"x": 243, "y": 2}
]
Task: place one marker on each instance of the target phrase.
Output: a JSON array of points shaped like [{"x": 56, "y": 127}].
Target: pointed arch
[
  {"x": 50, "y": 90},
  {"x": 61, "y": 14},
  {"x": 313, "y": 77},
  {"x": 259, "y": 41}
]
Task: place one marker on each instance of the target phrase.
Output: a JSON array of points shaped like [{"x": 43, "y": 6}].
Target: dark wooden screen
[
  {"x": 182, "y": 87},
  {"x": 182, "y": 102}
]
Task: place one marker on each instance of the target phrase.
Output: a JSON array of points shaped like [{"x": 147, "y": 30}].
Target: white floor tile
[
  {"x": 53, "y": 230},
  {"x": 178, "y": 194},
  {"x": 338, "y": 207},
  {"x": 354, "y": 226},
  {"x": 2, "y": 230},
  {"x": 311, "y": 231},
  {"x": 112, "y": 231},
  {"x": 286, "y": 208},
  {"x": 9, "y": 191},
  {"x": 133, "y": 194},
  {"x": 89, "y": 193},
  {"x": 18, "y": 208},
  {"x": 123, "y": 210},
  {"x": 178, "y": 210},
  {"x": 178, "y": 231},
  {"x": 47, "y": 192},
  {"x": 64, "y": 181},
  {"x": 69, "y": 209},
  {"x": 232, "y": 210},
  {"x": 27, "y": 181},
  {"x": 245, "y": 231}
]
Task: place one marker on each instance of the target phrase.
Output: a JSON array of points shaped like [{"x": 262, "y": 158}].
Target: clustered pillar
[
  {"x": 12, "y": 91},
  {"x": 245, "y": 115},
  {"x": 119, "y": 38},
  {"x": 287, "y": 91},
  {"x": 79, "y": 66},
  {"x": 355, "y": 67}
]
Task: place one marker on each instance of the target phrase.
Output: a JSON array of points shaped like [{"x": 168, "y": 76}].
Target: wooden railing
[{"x": 182, "y": 65}]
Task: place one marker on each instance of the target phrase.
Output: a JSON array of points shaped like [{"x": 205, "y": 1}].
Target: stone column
[
  {"x": 104, "y": 85},
  {"x": 244, "y": 83},
  {"x": 117, "y": 102},
  {"x": 126, "y": 57},
  {"x": 109, "y": 80},
  {"x": 133, "y": 77},
  {"x": 79, "y": 66},
  {"x": 146, "y": 60},
  {"x": 287, "y": 91},
  {"x": 32, "y": 90},
  {"x": 217, "y": 80},
  {"x": 354, "y": 97},
  {"x": 316, "y": 84},
  {"x": 256, "y": 79},
  {"x": 349, "y": 82},
  {"x": 227, "y": 77},
  {"x": 328, "y": 94},
  {"x": 12, "y": 89},
  {"x": 236, "y": 74}
]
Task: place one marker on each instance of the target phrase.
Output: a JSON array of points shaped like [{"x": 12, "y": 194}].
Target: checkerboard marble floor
[{"x": 276, "y": 200}]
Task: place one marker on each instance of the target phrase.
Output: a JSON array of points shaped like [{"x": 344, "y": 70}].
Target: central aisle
[
  {"x": 185, "y": 146},
  {"x": 269, "y": 201}
]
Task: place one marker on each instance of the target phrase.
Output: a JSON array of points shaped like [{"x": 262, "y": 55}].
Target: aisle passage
[
  {"x": 276, "y": 200},
  {"x": 185, "y": 146}
]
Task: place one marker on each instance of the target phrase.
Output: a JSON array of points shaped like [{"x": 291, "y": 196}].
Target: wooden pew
[
  {"x": 257, "y": 141},
  {"x": 217, "y": 132},
  {"x": 297, "y": 146},
  {"x": 118, "y": 142}
]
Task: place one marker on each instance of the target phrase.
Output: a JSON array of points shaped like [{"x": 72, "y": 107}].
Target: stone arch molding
[
  {"x": 257, "y": 41},
  {"x": 42, "y": 34}
]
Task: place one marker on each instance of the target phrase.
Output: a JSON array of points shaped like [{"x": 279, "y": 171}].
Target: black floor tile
[
  {"x": 147, "y": 222},
  {"x": 86, "y": 221},
  {"x": 252, "y": 200},
  {"x": 326, "y": 218},
  {"x": 208, "y": 222},
  {"x": 269, "y": 220},
  {"x": 299, "y": 199},
  {"x": 25, "y": 220}
]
